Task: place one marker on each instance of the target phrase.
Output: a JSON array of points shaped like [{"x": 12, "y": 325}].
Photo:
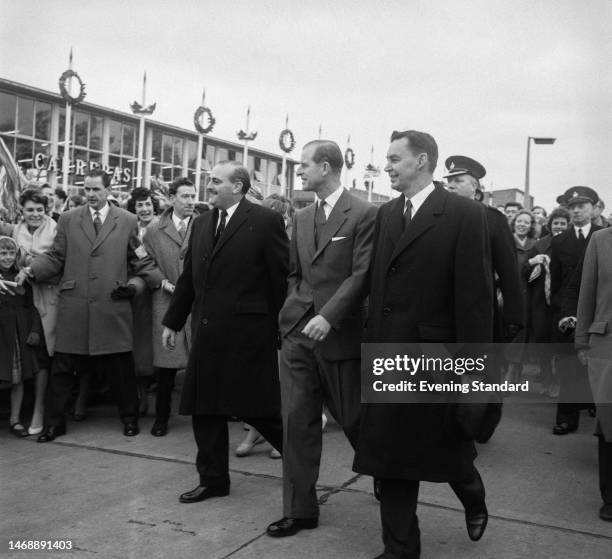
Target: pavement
[{"x": 117, "y": 497}]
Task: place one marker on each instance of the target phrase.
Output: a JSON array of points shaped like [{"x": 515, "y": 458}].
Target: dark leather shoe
[
  {"x": 476, "y": 524},
  {"x": 605, "y": 513},
  {"x": 50, "y": 433},
  {"x": 564, "y": 428},
  {"x": 203, "y": 492},
  {"x": 290, "y": 526},
  {"x": 131, "y": 429},
  {"x": 159, "y": 429}
]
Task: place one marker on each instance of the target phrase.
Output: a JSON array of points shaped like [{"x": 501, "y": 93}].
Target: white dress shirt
[
  {"x": 586, "y": 229},
  {"x": 102, "y": 213},
  {"x": 420, "y": 197},
  {"x": 330, "y": 201}
]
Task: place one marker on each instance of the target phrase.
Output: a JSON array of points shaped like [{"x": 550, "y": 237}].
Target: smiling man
[
  {"x": 233, "y": 283},
  {"x": 430, "y": 281},
  {"x": 321, "y": 325}
]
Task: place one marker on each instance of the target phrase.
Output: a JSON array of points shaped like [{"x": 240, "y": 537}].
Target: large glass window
[
  {"x": 129, "y": 140},
  {"x": 8, "y": 110},
  {"x": 43, "y": 121},
  {"x": 81, "y": 129},
  {"x": 25, "y": 117},
  {"x": 114, "y": 142},
  {"x": 192, "y": 152},
  {"x": 95, "y": 136}
]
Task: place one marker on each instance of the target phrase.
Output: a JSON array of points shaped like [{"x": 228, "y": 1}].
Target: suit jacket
[
  {"x": 594, "y": 324},
  {"x": 168, "y": 250},
  {"x": 331, "y": 279},
  {"x": 431, "y": 282},
  {"x": 89, "y": 322},
  {"x": 234, "y": 291}
]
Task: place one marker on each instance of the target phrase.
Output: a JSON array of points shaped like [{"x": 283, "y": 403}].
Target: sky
[{"x": 480, "y": 76}]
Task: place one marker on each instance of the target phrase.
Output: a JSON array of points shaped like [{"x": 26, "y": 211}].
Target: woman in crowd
[
  {"x": 146, "y": 207},
  {"x": 34, "y": 235},
  {"x": 523, "y": 227},
  {"x": 74, "y": 201},
  {"x": 537, "y": 272}
]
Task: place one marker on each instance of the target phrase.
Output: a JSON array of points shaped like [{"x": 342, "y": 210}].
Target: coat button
[
  {"x": 386, "y": 310},
  {"x": 205, "y": 321},
  {"x": 392, "y": 270}
]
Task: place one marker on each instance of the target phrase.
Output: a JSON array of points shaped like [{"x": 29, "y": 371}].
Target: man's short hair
[
  {"x": 540, "y": 208},
  {"x": 327, "y": 151},
  {"x": 513, "y": 205},
  {"x": 61, "y": 194},
  {"x": 239, "y": 173},
  {"x": 106, "y": 178},
  {"x": 177, "y": 183},
  {"x": 419, "y": 142}
]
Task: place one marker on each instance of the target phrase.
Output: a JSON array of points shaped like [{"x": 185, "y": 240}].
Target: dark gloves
[
  {"x": 123, "y": 291},
  {"x": 511, "y": 331},
  {"x": 33, "y": 339}
]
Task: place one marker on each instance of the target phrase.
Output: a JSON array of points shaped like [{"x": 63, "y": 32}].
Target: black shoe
[
  {"x": 564, "y": 428},
  {"x": 51, "y": 432},
  {"x": 159, "y": 429},
  {"x": 476, "y": 524},
  {"x": 79, "y": 416},
  {"x": 605, "y": 513},
  {"x": 131, "y": 429},
  {"x": 290, "y": 526},
  {"x": 203, "y": 492}
]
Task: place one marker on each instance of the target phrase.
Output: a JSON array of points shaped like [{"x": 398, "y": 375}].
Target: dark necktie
[
  {"x": 407, "y": 213},
  {"x": 580, "y": 235},
  {"x": 97, "y": 223},
  {"x": 320, "y": 221},
  {"x": 221, "y": 226}
]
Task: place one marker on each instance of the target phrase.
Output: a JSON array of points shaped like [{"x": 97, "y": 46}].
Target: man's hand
[
  {"x": 23, "y": 275},
  {"x": 583, "y": 356},
  {"x": 167, "y": 286},
  {"x": 568, "y": 323},
  {"x": 169, "y": 339},
  {"x": 123, "y": 291},
  {"x": 317, "y": 328},
  {"x": 33, "y": 339}
]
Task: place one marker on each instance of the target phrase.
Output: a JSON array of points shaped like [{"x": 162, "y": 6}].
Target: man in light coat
[
  {"x": 95, "y": 247},
  {"x": 593, "y": 339},
  {"x": 166, "y": 241}
]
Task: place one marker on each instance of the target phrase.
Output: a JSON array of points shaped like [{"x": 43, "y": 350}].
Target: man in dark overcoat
[
  {"x": 234, "y": 282},
  {"x": 430, "y": 281},
  {"x": 566, "y": 253}
]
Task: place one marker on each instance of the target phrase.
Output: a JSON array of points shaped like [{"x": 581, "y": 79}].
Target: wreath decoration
[
  {"x": 349, "y": 158},
  {"x": 286, "y": 140},
  {"x": 64, "y": 90},
  {"x": 197, "y": 117}
]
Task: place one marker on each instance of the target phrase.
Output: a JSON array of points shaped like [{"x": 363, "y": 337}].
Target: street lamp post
[{"x": 535, "y": 141}]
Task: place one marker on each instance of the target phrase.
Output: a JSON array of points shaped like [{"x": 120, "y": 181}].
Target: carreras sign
[{"x": 78, "y": 167}]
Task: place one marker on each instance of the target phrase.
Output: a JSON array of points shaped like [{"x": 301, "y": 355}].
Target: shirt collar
[
  {"x": 332, "y": 199},
  {"x": 103, "y": 212},
  {"x": 420, "y": 197},
  {"x": 230, "y": 211},
  {"x": 586, "y": 229},
  {"x": 177, "y": 221}
]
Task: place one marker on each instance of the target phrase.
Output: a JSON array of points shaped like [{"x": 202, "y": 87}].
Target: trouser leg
[
  {"x": 302, "y": 402},
  {"x": 271, "y": 428},
  {"x": 471, "y": 492},
  {"x": 605, "y": 470},
  {"x": 119, "y": 368},
  {"x": 400, "y": 525},
  {"x": 212, "y": 439},
  {"x": 163, "y": 399},
  {"x": 59, "y": 388}
]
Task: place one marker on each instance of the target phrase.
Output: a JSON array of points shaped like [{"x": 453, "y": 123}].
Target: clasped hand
[{"x": 317, "y": 328}]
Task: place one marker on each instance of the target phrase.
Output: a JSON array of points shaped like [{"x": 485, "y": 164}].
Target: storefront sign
[{"x": 78, "y": 167}]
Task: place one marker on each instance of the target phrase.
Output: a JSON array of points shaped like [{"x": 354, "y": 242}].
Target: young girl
[{"x": 20, "y": 331}]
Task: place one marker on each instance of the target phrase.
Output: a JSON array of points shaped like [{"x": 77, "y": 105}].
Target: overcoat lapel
[
  {"x": 237, "y": 220},
  {"x": 109, "y": 224},
  {"x": 424, "y": 219},
  {"x": 336, "y": 218},
  {"x": 168, "y": 227},
  {"x": 86, "y": 223},
  {"x": 305, "y": 232}
]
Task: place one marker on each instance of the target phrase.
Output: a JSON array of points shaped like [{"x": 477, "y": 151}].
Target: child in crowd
[{"x": 20, "y": 331}]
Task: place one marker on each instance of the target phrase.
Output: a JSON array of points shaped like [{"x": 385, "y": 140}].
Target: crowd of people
[{"x": 265, "y": 310}]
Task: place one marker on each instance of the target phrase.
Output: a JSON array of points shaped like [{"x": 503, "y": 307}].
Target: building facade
[{"x": 32, "y": 125}]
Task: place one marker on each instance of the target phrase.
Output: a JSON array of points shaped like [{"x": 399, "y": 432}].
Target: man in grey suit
[{"x": 321, "y": 326}]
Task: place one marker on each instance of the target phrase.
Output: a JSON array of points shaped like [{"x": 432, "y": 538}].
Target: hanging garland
[
  {"x": 64, "y": 90},
  {"x": 286, "y": 140},
  {"x": 349, "y": 158},
  {"x": 197, "y": 120}
]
